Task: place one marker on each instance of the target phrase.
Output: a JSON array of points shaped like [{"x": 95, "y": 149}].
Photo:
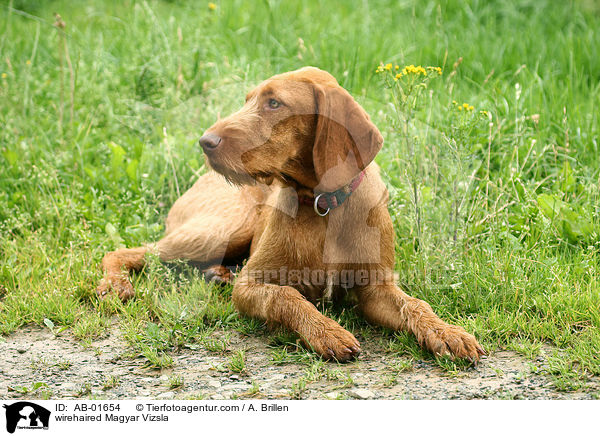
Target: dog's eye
[{"x": 274, "y": 104}]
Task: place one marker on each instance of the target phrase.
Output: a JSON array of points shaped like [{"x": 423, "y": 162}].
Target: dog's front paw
[
  {"x": 332, "y": 341},
  {"x": 454, "y": 341},
  {"x": 119, "y": 284}
]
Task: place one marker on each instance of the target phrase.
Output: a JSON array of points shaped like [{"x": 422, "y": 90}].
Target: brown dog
[{"x": 305, "y": 199}]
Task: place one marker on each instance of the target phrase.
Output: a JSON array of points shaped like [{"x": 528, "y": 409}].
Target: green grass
[
  {"x": 237, "y": 362},
  {"x": 110, "y": 382},
  {"x": 93, "y": 154},
  {"x": 176, "y": 382}
]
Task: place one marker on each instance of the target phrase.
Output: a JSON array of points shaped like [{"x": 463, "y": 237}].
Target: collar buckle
[{"x": 316, "y": 206}]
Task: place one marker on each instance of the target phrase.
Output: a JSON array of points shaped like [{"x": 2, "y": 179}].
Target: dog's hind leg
[
  {"x": 204, "y": 240},
  {"x": 116, "y": 266},
  {"x": 209, "y": 255},
  {"x": 210, "y": 223}
]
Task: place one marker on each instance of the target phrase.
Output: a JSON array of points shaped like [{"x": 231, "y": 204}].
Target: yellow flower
[
  {"x": 411, "y": 69},
  {"x": 4, "y": 75},
  {"x": 407, "y": 70},
  {"x": 212, "y": 6},
  {"x": 28, "y": 62}
]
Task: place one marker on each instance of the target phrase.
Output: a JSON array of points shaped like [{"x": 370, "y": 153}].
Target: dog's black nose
[{"x": 210, "y": 141}]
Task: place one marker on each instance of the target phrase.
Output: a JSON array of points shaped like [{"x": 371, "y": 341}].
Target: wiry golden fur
[{"x": 315, "y": 138}]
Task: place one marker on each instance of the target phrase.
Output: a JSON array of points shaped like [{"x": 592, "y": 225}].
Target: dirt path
[{"x": 34, "y": 357}]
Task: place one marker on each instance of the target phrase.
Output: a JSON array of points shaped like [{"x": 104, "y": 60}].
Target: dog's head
[{"x": 298, "y": 127}]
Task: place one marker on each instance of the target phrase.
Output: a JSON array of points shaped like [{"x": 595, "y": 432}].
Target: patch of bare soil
[{"x": 67, "y": 369}]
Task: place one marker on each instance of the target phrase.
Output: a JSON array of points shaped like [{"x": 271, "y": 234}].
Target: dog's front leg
[
  {"x": 389, "y": 306},
  {"x": 284, "y": 305}
]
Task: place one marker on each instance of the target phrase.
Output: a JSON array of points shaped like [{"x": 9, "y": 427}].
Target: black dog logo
[{"x": 28, "y": 415}]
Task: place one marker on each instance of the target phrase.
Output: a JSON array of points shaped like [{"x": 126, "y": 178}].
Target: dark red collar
[{"x": 323, "y": 202}]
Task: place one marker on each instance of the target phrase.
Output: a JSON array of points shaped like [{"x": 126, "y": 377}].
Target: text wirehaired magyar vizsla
[{"x": 296, "y": 188}]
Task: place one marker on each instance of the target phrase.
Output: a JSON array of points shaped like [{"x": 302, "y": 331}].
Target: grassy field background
[{"x": 100, "y": 120}]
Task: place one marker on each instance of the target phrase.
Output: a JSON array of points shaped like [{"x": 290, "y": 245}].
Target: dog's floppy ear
[{"x": 346, "y": 140}]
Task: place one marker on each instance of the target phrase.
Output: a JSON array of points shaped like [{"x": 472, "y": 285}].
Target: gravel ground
[{"x": 70, "y": 370}]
